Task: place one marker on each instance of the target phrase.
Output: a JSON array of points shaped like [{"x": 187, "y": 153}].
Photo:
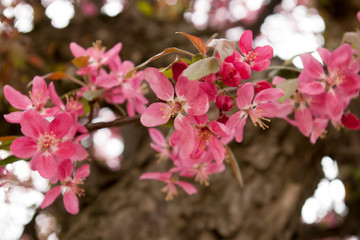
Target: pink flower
[
  {"x": 43, "y": 141},
  {"x": 188, "y": 99},
  {"x": 73, "y": 105},
  {"x": 257, "y": 108},
  {"x": 97, "y": 56},
  {"x": 171, "y": 181},
  {"x": 69, "y": 186},
  {"x": 38, "y": 98},
  {"x": 259, "y": 58},
  {"x": 207, "y": 134}
]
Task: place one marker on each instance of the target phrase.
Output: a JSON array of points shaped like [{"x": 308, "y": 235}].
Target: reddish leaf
[
  {"x": 56, "y": 75},
  {"x": 198, "y": 43},
  {"x": 81, "y": 61}
]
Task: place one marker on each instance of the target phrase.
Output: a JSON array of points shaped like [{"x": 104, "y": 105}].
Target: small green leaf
[
  {"x": 145, "y": 8},
  {"x": 289, "y": 87},
  {"x": 10, "y": 159},
  {"x": 202, "y": 68},
  {"x": 6, "y": 142},
  {"x": 196, "y": 58},
  {"x": 91, "y": 95}
]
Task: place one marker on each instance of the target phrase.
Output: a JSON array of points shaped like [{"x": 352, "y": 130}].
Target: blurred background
[{"x": 293, "y": 189}]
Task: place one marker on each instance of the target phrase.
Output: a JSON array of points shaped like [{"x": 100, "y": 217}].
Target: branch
[{"x": 115, "y": 123}]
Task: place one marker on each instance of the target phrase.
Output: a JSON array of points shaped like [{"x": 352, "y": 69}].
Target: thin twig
[{"x": 115, "y": 123}]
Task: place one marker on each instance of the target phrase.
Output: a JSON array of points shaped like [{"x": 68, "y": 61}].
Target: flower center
[{"x": 47, "y": 140}]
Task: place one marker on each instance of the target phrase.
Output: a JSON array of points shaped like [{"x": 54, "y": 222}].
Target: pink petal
[
  {"x": 55, "y": 97},
  {"x": 24, "y": 147},
  {"x": 341, "y": 57},
  {"x": 157, "y": 137},
  {"x": 312, "y": 88},
  {"x": 50, "y": 197},
  {"x": 159, "y": 83},
  {"x": 268, "y": 110},
  {"x": 245, "y": 94},
  {"x": 178, "y": 68},
  {"x": 263, "y": 53},
  {"x": 82, "y": 172},
  {"x": 186, "y": 88},
  {"x": 156, "y": 175},
  {"x": 219, "y": 129},
  {"x": 80, "y": 153},
  {"x": 46, "y": 165},
  {"x": 333, "y": 105},
  {"x": 217, "y": 150},
  {"x": 40, "y": 90},
  {"x": 312, "y": 66},
  {"x": 65, "y": 169},
  {"x": 13, "y": 117},
  {"x": 244, "y": 69},
  {"x": 61, "y": 125},
  {"x": 155, "y": 115},
  {"x": 32, "y": 124},
  {"x": 304, "y": 120},
  {"x": 112, "y": 53},
  {"x": 77, "y": 50},
  {"x": 245, "y": 43},
  {"x": 66, "y": 149},
  {"x": 188, "y": 187},
  {"x": 268, "y": 95},
  {"x": 17, "y": 99},
  {"x": 71, "y": 202},
  {"x": 187, "y": 134},
  {"x": 324, "y": 54},
  {"x": 210, "y": 90},
  {"x": 198, "y": 105}
]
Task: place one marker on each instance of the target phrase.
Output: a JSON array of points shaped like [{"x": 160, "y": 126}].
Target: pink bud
[
  {"x": 262, "y": 85},
  {"x": 223, "y": 103},
  {"x": 350, "y": 121},
  {"x": 178, "y": 68}
]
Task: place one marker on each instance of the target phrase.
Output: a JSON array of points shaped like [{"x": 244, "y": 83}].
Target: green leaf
[
  {"x": 198, "y": 43},
  {"x": 289, "y": 87},
  {"x": 224, "y": 46},
  {"x": 145, "y": 8},
  {"x": 196, "y": 58},
  {"x": 10, "y": 159},
  {"x": 202, "y": 68},
  {"x": 6, "y": 142},
  {"x": 91, "y": 95}
]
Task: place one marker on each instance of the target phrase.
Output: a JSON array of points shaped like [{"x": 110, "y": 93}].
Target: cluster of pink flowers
[
  {"x": 324, "y": 92},
  {"x": 196, "y": 147},
  {"x": 114, "y": 84},
  {"x": 50, "y": 134},
  {"x": 196, "y": 143}
]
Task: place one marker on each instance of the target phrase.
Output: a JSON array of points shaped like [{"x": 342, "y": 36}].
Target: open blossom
[
  {"x": 43, "y": 142},
  {"x": 38, "y": 98},
  {"x": 338, "y": 85},
  {"x": 188, "y": 99},
  {"x": 69, "y": 186},
  {"x": 97, "y": 56},
  {"x": 171, "y": 181},
  {"x": 258, "y": 108}
]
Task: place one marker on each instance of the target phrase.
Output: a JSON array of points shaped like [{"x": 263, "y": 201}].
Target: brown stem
[{"x": 115, "y": 123}]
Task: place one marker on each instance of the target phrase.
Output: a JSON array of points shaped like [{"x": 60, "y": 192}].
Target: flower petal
[
  {"x": 71, "y": 202},
  {"x": 159, "y": 83},
  {"x": 50, "y": 197},
  {"x": 46, "y": 165},
  {"x": 17, "y": 99},
  {"x": 23, "y": 147},
  {"x": 155, "y": 115}
]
